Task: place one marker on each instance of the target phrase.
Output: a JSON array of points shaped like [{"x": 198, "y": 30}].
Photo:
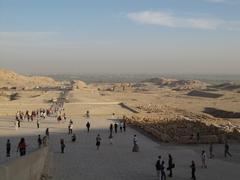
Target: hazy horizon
[{"x": 126, "y": 37}]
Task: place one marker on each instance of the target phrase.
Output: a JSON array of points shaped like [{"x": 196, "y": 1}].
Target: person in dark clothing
[
  {"x": 19, "y": 123},
  {"x": 193, "y": 170},
  {"x": 158, "y": 166},
  {"x": 62, "y": 144},
  {"x": 8, "y": 147},
  {"x": 226, "y": 150},
  {"x": 211, "y": 151},
  {"x": 163, "y": 174},
  {"x": 98, "y": 141},
  {"x": 74, "y": 138},
  {"x": 88, "y": 126},
  {"x": 22, "y": 147},
  {"x": 47, "y": 132},
  {"x": 111, "y": 128},
  {"x": 115, "y": 127},
  {"x": 38, "y": 124},
  {"x": 198, "y": 137},
  {"x": 124, "y": 126},
  {"x": 170, "y": 165},
  {"x": 39, "y": 141}
]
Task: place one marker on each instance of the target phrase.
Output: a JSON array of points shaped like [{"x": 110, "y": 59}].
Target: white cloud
[{"x": 166, "y": 19}]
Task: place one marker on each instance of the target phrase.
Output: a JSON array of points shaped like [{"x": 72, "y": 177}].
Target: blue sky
[{"x": 168, "y": 36}]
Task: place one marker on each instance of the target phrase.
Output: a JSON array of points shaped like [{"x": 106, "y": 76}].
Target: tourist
[
  {"x": 198, "y": 137},
  {"x": 193, "y": 170},
  {"x": 88, "y": 114},
  {"x": 121, "y": 127},
  {"x": 226, "y": 150},
  {"x": 203, "y": 157},
  {"x": 163, "y": 174},
  {"x": 88, "y": 126},
  {"x": 62, "y": 145},
  {"x": 124, "y": 126},
  {"x": 47, "y": 132},
  {"x": 8, "y": 148},
  {"x": 135, "y": 145},
  {"x": 115, "y": 127},
  {"x": 19, "y": 123},
  {"x": 22, "y": 147},
  {"x": 74, "y": 137},
  {"x": 111, "y": 128},
  {"x": 158, "y": 166},
  {"x": 44, "y": 141},
  {"x": 39, "y": 141},
  {"x": 16, "y": 124},
  {"x": 211, "y": 151},
  {"x": 70, "y": 128},
  {"x": 38, "y": 123},
  {"x": 111, "y": 138},
  {"x": 171, "y": 165},
  {"x": 98, "y": 141}
]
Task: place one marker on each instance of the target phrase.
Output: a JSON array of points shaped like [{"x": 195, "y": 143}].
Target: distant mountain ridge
[{"x": 178, "y": 84}]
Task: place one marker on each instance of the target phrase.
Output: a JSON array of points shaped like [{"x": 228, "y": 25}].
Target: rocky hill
[
  {"x": 12, "y": 80},
  {"x": 176, "y": 84}
]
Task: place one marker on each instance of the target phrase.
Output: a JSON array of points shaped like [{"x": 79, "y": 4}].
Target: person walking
[
  {"x": 111, "y": 128},
  {"x": 62, "y": 145},
  {"x": 98, "y": 141},
  {"x": 211, "y": 151},
  {"x": 38, "y": 124},
  {"x": 39, "y": 141},
  {"x": 203, "y": 158},
  {"x": 115, "y": 127},
  {"x": 121, "y": 127},
  {"x": 88, "y": 126},
  {"x": 171, "y": 165},
  {"x": 47, "y": 132},
  {"x": 163, "y": 174},
  {"x": 74, "y": 137},
  {"x": 198, "y": 137},
  {"x": 135, "y": 145},
  {"x": 22, "y": 147},
  {"x": 111, "y": 138},
  {"x": 70, "y": 128},
  {"x": 226, "y": 150},
  {"x": 193, "y": 170},
  {"x": 158, "y": 167},
  {"x": 19, "y": 123},
  {"x": 124, "y": 126},
  {"x": 8, "y": 148}
]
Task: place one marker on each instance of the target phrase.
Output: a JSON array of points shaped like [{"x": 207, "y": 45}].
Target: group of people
[
  {"x": 38, "y": 114},
  {"x": 160, "y": 167},
  {"x": 22, "y": 146}
]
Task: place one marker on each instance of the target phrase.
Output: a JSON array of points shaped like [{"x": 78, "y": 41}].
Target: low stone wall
[
  {"x": 28, "y": 167},
  {"x": 181, "y": 130}
]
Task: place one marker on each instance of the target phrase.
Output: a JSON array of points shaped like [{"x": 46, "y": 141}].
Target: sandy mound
[
  {"x": 77, "y": 84},
  {"x": 10, "y": 79},
  {"x": 178, "y": 84}
]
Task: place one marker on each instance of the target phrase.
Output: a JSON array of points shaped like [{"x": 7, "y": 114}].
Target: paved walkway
[{"x": 116, "y": 162}]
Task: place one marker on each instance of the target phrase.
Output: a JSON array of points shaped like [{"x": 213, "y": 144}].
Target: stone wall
[
  {"x": 29, "y": 167},
  {"x": 181, "y": 130}
]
